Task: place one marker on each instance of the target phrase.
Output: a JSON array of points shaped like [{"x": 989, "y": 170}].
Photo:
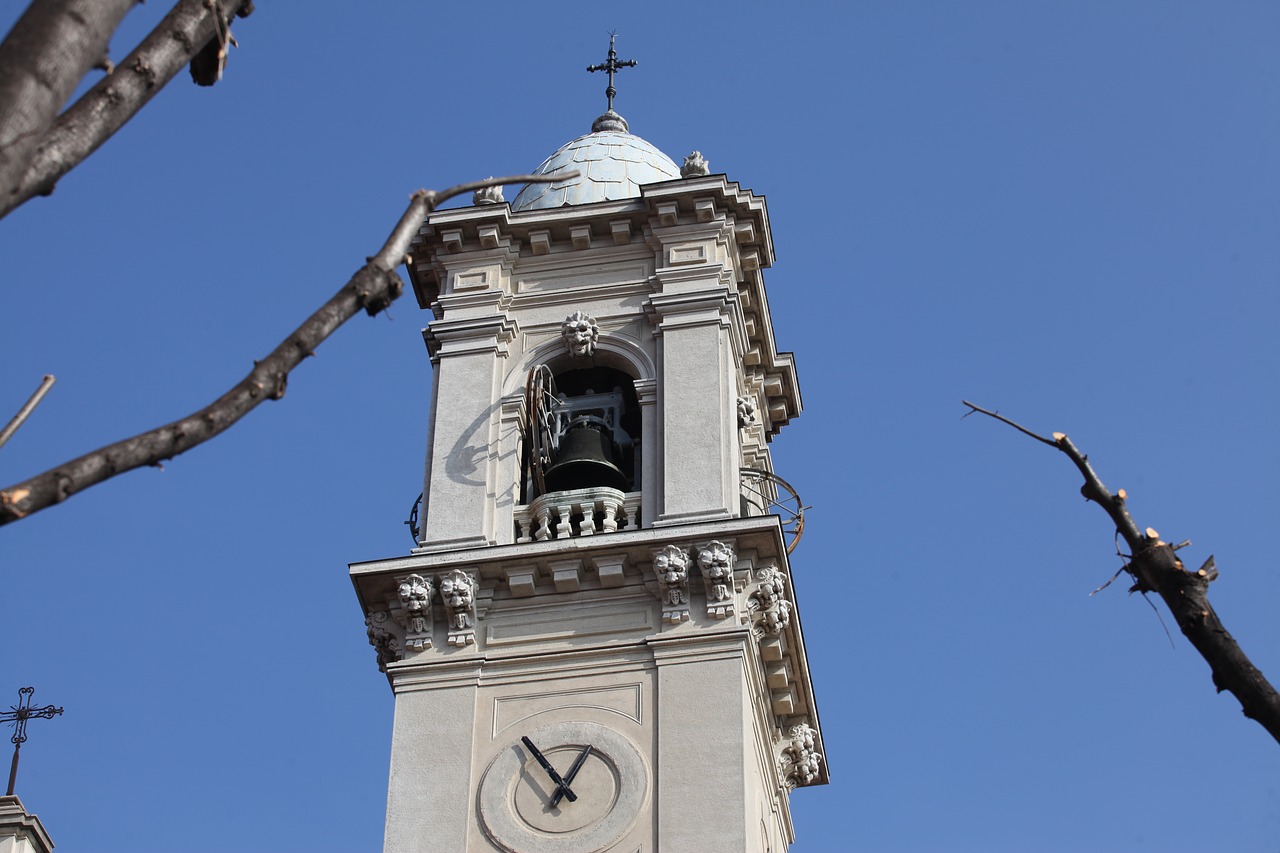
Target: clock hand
[
  {"x": 568, "y": 777},
  {"x": 562, "y": 787}
]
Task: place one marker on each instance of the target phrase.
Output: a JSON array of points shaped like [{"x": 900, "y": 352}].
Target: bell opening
[
  {"x": 587, "y": 457},
  {"x": 588, "y": 428}
]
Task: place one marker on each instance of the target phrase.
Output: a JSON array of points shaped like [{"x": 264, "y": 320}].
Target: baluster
[{"x": 565, "y": 527}]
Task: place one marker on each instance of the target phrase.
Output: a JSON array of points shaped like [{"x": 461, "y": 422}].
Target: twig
[
  {"x": 373, "y": 287},
  {"x": 1019, "y": 427},
  {"x": 1109, "y": 582},
  {"x": 1093, "y": 489},
  {"x": 1160, "y": 619},
  {"x": 27, "y": 408}
]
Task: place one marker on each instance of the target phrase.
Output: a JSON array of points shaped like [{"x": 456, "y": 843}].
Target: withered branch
[
  {"x": 184, "y": 33},
  {"x": 373, "y": 287},
  {"x": 1156, "y": 568}
]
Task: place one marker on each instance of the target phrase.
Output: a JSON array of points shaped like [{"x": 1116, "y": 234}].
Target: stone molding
[
  {"x": 469, "y": 336},
  {"x": 457, "y": 245},
  {"x": 552, "y": 583},
  {"x": 20, "y": 830}
]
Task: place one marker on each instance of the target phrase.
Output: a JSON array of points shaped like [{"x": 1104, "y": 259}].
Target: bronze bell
[{"x": 586, "y": 458}]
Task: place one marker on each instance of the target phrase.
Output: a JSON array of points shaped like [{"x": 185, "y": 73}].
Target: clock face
[{"x": 565, "y": 787}]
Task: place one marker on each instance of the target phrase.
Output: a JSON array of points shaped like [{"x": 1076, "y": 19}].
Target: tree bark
[
  {"x": 373, "y": 287},
  {"x": 1155, "y": 567},
  {"x": 42, "y": 60},
  {"x": 118, "y": 96}
]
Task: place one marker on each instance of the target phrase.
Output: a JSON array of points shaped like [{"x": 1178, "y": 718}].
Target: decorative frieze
[
  {"x": 671, "y": 567},
  {"x": 715, "y": 560}
]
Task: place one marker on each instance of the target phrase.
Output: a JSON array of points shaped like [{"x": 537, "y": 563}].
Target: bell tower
[{"x": 594, "y": 644}]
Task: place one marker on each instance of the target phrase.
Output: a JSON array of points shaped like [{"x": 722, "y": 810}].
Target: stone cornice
[
  {"x": 491, "y": 247},
  {"x": 579, "y": 601},
  {"x": 17, "y": 823},
  {"x": 469, "y": 335}
]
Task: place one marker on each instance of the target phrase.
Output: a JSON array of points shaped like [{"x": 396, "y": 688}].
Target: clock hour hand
[
  {"x": 562, "y": 787},
  {"x": 568, "y": 777}
]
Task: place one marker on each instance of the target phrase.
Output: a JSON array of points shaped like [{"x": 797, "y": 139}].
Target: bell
[{"x": 585, "y": 459}]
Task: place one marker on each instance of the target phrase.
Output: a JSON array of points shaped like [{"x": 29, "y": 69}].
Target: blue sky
[{"x": 1067, "y": 211}]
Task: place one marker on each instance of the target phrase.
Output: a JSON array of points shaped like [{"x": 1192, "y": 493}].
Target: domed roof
[{"x": 613, "y": 164}]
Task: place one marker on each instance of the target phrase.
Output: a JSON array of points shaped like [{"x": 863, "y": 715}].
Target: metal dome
[{"x": 613, "y": 164}]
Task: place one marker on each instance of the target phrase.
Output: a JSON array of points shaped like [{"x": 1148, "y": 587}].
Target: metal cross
[
  {"x": 17, "y": 716},
  {"x": 612, "y": 65}
]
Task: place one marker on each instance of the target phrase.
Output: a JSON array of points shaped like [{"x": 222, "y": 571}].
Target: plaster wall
[{"x": 431, "y": 762}]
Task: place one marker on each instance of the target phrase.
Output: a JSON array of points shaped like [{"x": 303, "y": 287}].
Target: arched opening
[{"x": 582, "y": 430}]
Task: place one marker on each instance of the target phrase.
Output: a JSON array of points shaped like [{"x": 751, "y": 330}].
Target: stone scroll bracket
[
  {"x": 407, "y": 622},
  {"x": 799, "y": 761},
  {"x": 716, "y": 564},
  {"x": 770, "y": 615},
  {"x": 412, "y": 610},
  {"x": 386, "y": 637},
  {"x": 458, "y": 591},
  {"x": 671, "y": 565},
  {"x": 769, "y": 603},
  {"x": 725, "y": 576}
]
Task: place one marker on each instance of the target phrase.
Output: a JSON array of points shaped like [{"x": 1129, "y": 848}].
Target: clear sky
[{"x": 1068, "y": 211}]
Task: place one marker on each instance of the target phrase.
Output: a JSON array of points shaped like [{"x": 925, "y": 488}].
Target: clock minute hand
[
  {"x": 568, "y": 777},
  {"x": 562, "y": 787}
]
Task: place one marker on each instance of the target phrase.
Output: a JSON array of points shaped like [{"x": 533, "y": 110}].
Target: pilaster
[
  {"x": 697, "y": 407},
  {"x": 431, "y": 763},
  {"x": 461, "y": 478},
  {"x": 702, "y": 742}
]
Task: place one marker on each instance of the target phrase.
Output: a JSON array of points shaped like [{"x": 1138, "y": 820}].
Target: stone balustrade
[{"x": 577, "y": 512}]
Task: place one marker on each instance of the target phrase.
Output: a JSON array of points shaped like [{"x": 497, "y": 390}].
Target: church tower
[{"x": 595, "y": 643}]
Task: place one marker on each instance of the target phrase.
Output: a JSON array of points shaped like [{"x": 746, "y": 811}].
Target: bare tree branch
[
  {"x": 373, "y": 287},
  {"x": 27, "y": 408},
  {"x": 1156, "y": 568},
  {"x": 42, "y": 60},
  {"x": 117, "y": 97}
]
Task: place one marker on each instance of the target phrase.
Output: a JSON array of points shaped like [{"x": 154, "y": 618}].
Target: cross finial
[
  {"x": 611, "y": 66},
  {"x": 17, "y": 716}
]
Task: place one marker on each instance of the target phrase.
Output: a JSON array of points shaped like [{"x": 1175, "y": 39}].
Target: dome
[{"x": 613, "y": 164}]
